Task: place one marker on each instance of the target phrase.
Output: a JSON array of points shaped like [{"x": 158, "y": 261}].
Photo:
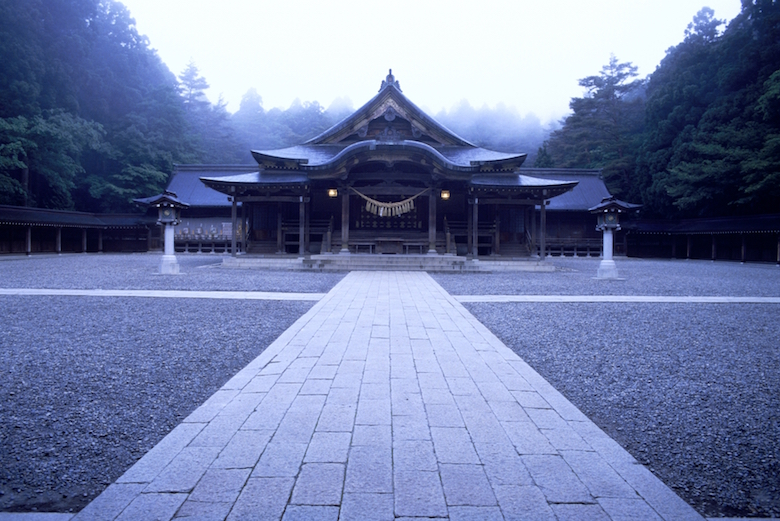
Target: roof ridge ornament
[{"x": 390, "y": 80}]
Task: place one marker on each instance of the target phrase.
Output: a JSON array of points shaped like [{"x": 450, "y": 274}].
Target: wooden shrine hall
[{"x": 388, "y": 179}]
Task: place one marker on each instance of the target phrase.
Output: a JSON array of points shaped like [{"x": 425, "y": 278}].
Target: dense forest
[{"x": 91, "y": 118}]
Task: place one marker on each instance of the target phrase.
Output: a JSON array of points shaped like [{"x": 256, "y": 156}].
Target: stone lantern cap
[
  {"x": 613, "y": 204},
  {"x": 164, "y": 199}
]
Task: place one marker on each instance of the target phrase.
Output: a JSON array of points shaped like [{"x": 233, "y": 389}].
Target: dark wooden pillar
[
  {"x": 307, "y": 233},
  {"x": 534, "y": 251},
  {"x": 543, "y": 230},
  {"x": 244, "y": 227},
  {"x": 28, "y": 240},
  {"x": 497, "y": 240},
  {"x": 475, "y": 228},
  {"x": 58, "y": 240},
  {"x": 778, "y": 248},
  {"x": 469, "y": 232},
  {"x": 743, "y": 255},
  {"x": 100, "y": 241},
  {"x": 345, "y": 221},
  {"x": 687, "y": 246},
  {"x": 714, "y": 248},
  {"x": 279, "y": 230},
  {"x": 432, "y": 222},
  {"x": 148, "y": 239},
  {"x": 674, "y": 246},
  {"x": 233, "y": 219},
  {"x": 301, "y": 227},
  {"x": 83, "y": 240}
]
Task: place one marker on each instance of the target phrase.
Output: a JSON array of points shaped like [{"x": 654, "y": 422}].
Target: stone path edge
[
  {"x": 652, "y": 299},
  {"x": 227, "y": 295}
]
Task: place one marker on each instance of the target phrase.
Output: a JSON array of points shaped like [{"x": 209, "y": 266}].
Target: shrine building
[{"x": 386, "y": 179}]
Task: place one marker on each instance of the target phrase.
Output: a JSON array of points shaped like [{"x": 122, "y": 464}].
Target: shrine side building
[{"x": 388, "y": 179}]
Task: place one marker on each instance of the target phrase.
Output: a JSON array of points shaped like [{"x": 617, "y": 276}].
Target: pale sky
[{"x": 525, "y": 54}]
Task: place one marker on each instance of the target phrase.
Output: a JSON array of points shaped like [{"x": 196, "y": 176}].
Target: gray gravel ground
[
  {"x": 90, "y": 384},
  {"x": 690, "y": 390}
]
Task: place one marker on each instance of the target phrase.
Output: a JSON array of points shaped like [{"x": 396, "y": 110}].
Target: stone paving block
[
  {"x": 530, "y": 399},
  {"x": 432, "y": 380},
  {"x": 212, "y": 406},
  {"x": 577, "y": 512},
  {"x": 220, "y": 486},
  {"x": 367, "y": 507},
  {"x": 373, "y": 412},
  {"x": 294, "y": 375},
  {"x": 523, "y": 503},
  {"x": 328, "y": 447},
  {"x": 262, "y": 499},
  {"x": 462, "y": 386},
  {"x": 280, "y": 460},
  {"x": 241, "y": 378},
  {"x": 274, "y": 406},
  {"x": 311, "y": 513},
  {"x": 275, "y": 367},
  {"x": 444, "y": 415},
  {"x": 417, "y": 333},
  {"x": 509, "y": 411},
  {"x": 437, "y": 396},
  {"x": 184, "y": 471},
  {"x": 495, "y": 392},
  {"x": 375, "y": 391},
  {"x": 453, "y": 445},
  {"x": 319, "y": 484},
  {"x": 475, "y": 514},
  {"x": 414, "y": 455},
  {"x": 337, "y": 417},
  {"x": 197, "y": 511},
  {"x": 347, "y": 395},
  {"x": 315, "y": 387},
  {"x": 419, "y": 494},
  {"x": 566, "y": 438},
  {"x": 372, "y": 435},
  {"x": 152, "y": 507},
  {"x": 427, "y": 365},
  {"x": 111, "y": 502},
  {"x": 410, "y": 428},
  {"x": 402, "y": 366},
  {"x": 218, "y": 432},
  {"x": 527, "y": 438},
  {"x": 466, "y": 485},
  {"x": 547, "y": 419},
  {"x": 608, "y": 448},
  {"x": 369, "y": 469},
  {"x": 380, "y": 331},
  {"x": 244, "y": 449},
  {"x": 299, "y": 422},
  {"x": 243, "y": 404},
  {"x": 351, "y": 367},
  {"x": 502, "y": 464},
  {"x": 323, "y": 372},
  {"x": 261, "y": 383},
  {"x": 380, "y": 375},
  {"x": 408, "y": 404},
  {"x": 473, "y": 403},
  {"x": 556, "y": 479},
  {"x": 404, "y": 385},
  {"x": 624, "y": 509}
]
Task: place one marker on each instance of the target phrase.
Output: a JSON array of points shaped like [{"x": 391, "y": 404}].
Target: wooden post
[
  {"x": 533, "y": 231},
  {"x": 301, "y": 227},
  {"x": 543, "y": 230},
  {"x": 244, "y": 227},
  {"x": 432, "y": 222},
  {"x": 469, "y": 233},
  {"x": 58, "y": 240},
  {"x": 497, "y": 241},
  {"x": 279, "y": 230},
  {"x": 345, "y": 221},
  {"x": 688, "y": 247},
  {"x": 100, "y": 241},
  {"x": 475, "y": 228},
  {"x": 744, "y": 247},
  {"x": 28, "y": 240},
  {"x": 714, "y": 248},
  {"x": 307, "y": 232},
  {"x": 83, "y": 240},
  {"x": 233, "y": 218},
  {"x": 778, "y": 248},
  {"x": 674, "y": 246}
]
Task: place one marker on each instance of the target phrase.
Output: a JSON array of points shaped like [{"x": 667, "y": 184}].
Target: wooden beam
[{"x": 272, "y": 199}]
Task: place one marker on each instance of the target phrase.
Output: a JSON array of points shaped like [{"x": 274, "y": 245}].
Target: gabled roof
[
  {"x": 589, "y": 191},
  {"x": 186, "y": 183},
  {"x": 26, "y": 216},
  {"x": 400, "y": 128}
]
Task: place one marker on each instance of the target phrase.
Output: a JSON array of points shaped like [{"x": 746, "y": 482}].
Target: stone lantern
[
  {"x": 168, "y": 215},
  {"x": 608, "y": 221}
]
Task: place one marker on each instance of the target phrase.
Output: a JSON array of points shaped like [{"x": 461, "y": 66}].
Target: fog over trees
[{"x": 90, "y": 117}]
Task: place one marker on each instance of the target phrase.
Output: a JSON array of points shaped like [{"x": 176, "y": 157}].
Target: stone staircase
[{"x": 373, "y": 262}]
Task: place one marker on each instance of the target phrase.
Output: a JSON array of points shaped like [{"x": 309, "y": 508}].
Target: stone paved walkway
[{"x": 387, "y": 400}]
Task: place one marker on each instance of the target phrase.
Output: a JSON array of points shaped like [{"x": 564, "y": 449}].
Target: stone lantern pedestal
[
  {"x": 169, "y": 215},
  {"x": 608, "y": 222}
]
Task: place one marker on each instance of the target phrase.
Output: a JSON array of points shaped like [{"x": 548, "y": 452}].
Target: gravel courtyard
[{"x": 89, "y": 384}]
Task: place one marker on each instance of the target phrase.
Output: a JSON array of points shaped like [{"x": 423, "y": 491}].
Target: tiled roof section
[
  {"x": 24, "y": 216},
  {"x": 262, "y": 178},
  {"x": 466, "y": 156},
  {"x": 188, "y": 187},
  {"x": 769, "y": 223},
  {"x": 520, "y": 181},
  {"x": 589, "y": 192}
]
